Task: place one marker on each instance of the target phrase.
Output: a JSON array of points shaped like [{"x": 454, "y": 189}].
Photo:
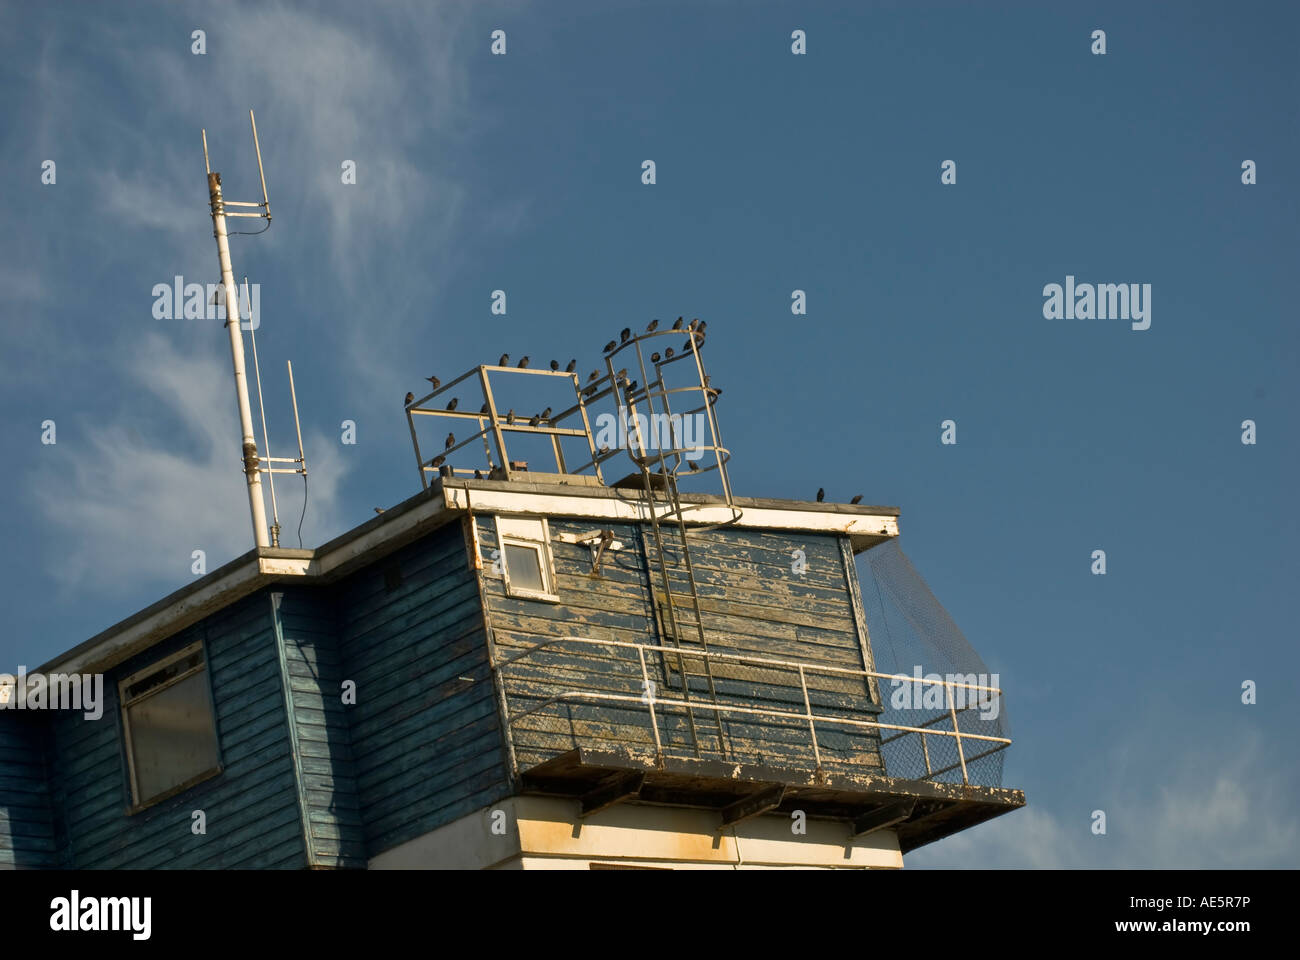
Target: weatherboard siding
[
  {"x": 28, "y": 830},
  {"x": 326, "y": 771},
  {"x": 425, "y": 736},
  {"x": 251, "y": 807},
  {"x": 310, "y": 780},
  {"x": 753, "y": 604}
]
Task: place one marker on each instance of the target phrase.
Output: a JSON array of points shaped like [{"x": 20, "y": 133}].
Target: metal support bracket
[
  {"x": 882, "y": 817},
  {"x": 756, "y": 804},
  {"x": 617, "y": 789}
]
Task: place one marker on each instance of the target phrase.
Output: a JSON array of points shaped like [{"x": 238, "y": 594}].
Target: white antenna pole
[
  {"x": 256, "y": 504},
  {"x": 266, "y": 437}
]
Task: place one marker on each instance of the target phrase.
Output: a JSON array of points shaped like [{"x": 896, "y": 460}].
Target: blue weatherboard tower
[{"x": 574, "y": 646}]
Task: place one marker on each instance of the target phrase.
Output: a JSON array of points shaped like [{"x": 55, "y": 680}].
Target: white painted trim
[
  {"x": 610, "y": 508},
  {"x": 407, "y": 521},
  {"x": 236, "y": 584},
  {"x": 404, "y": 523}
]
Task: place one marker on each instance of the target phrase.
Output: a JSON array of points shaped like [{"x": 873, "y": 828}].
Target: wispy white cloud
[
  {"x": 328, "y": 85},
  {"x": 132, "y": 510},
  {"x": 136, "y": 201},
  {"x": 388, "y": 94},
  {"x": 1167, "y": 810},
  {"x": 18, "y": 285}
]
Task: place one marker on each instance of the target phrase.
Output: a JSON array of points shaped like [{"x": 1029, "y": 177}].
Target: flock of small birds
[
  {"x": 694, "y": 331},
  {"x": 821, "y": 496}
]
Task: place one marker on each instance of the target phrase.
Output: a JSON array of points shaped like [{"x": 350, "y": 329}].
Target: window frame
[
  {"x": 135, "y": 804},
  {"x": 542, "y": 549}
]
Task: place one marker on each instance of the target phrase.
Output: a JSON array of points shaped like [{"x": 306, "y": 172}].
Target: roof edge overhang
[{"x": 445, "y": 501}]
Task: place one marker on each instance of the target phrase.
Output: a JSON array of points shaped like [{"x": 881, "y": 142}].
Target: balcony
[{"x": 608, "y": 722}]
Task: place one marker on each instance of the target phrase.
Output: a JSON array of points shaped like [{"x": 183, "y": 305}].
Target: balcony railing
[{"x": 691, "y": 702}]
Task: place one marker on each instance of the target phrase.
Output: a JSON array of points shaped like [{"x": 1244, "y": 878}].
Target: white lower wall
[{"x": 541, "y": 833}]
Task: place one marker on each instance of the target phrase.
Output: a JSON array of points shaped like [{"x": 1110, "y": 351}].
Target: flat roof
[{"x": 447, "y": 500}]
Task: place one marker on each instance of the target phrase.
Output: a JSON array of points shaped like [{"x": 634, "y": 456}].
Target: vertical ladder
[
  {"x": 660, "y": 559},
  {"x": 659, "y": 467}
]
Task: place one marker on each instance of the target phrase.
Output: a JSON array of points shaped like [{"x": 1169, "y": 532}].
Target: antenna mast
[{"x": 252, "y": 463}]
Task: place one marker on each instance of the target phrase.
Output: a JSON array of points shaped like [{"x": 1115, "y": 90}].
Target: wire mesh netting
[{"x": 913, "y": 636}]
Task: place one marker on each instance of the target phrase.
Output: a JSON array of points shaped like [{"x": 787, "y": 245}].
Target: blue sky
[{"x": 775, "y": 172}]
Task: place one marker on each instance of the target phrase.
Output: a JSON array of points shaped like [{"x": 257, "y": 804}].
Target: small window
[
  {"x": 526, "y": 558},
  {"x": 525, "y": 563},
  {"x": 167, "y": 717}
]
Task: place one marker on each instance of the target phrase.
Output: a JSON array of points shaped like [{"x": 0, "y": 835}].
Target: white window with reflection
[
  {"x": 170, "y": 729},
  {"x": 526, "y": 561}
]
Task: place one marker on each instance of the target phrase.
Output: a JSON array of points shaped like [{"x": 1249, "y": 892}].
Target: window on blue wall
[
  {"x": 526, "y": 563},
  {"x": 168, "y": 722}
]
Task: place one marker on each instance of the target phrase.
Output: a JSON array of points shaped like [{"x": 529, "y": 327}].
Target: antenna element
[{"x": 252, "y": 462}]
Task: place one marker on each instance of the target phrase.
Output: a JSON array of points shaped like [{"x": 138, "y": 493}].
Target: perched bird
[
  {"x": 621, "y": 375},
  {"x": 535, "y": 419},
  {"x": 611, "y": 345},
  {"x": 409, "y": 397},
  {"x": 678, "y": 324},
  {"x": 546, "y": 414},
  {"x": 631, "y": 387},
  {"x": 687, "y": 345},
  {"x": 438, "y": 461},
  {"x": 510, "y": 417},
  {"x": 700, "y": 328},
  {"x": 625, "y": 334},
  {"x": 668, "y": 354},
  {"x": 454, "y": 401},
  {"x": 504, "y": 361},
  {"x": 450, "y": 441},
  {"x": 445, "y": 470},
  {"x": 523, "y": 363},
  {"x": 434, "y": 382},
  {"x": 594, "y": 375},
  {"x": 654, "y": 325},
  {"x": 693, "y": 324},
  {"x": 555, "y": 365},
  {"x": 654, "y": 358},
  {"x": 695, "y": 467},
  {"x": 483, "y": 409},
  {"x": 478, "y": 474},
  {"x": 821, "y": 494},
  {"x": 857, "y": 499},
  {"x": 573, "y": 365},
  {"x": 379, "y": 509}
]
